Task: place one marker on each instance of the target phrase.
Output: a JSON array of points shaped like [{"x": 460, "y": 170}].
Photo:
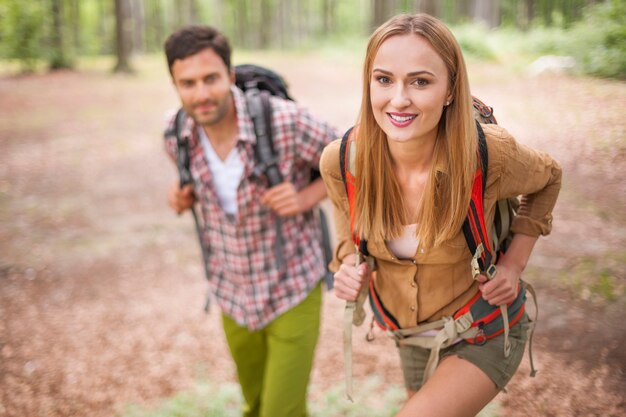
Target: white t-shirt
[
  {"x": 226, "y": 174},
  {"x": 405, "y": 246}
]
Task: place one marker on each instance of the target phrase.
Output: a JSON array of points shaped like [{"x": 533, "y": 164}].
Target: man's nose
[{"x": 202, "y": 92}]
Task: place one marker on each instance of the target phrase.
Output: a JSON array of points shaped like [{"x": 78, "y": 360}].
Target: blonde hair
[{"x": 380, "y": 210}]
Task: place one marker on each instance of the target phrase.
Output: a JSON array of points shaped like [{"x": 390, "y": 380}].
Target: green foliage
[
  {"x": 604, "y": 32},
  {"x": 474, "y": 41},
  {"x": 204, "y": 400},
  {"x": 372, "y": 399},
  {"x": 597, "y": 281},
  {"x": 21, "y": 32},
  {"x": 598, "y": 42}
]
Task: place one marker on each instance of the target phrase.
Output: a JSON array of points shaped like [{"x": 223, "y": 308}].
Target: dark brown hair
[{"x": 192, "y": 39}]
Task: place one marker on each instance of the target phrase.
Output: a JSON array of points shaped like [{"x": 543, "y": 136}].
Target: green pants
[{"x": 274, "y": 363}]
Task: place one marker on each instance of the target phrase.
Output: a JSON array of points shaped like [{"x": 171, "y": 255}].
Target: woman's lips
[{"x": 401, "y": 119}]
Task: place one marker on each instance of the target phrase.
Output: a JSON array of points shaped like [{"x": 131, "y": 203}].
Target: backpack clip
[{"x": 474, "y": 263}]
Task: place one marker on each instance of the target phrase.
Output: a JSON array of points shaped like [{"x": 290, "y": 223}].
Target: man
[{"x": 270, "y": 307}]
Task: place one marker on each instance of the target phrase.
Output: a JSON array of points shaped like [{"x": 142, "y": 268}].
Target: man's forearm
[{"x": 312, "y": 194}]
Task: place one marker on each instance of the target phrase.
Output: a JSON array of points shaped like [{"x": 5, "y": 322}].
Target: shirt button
[
  {"x": 412, "y": 308},
  {"x": 422, "y": 250},
  {"x": 413, "y": 284},
  {"x": 414, "y": 262}
]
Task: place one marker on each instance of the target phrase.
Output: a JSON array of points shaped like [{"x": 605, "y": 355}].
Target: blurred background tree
[{"x": 54, "y": 31}]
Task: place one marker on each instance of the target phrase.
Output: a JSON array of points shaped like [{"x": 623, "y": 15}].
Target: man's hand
[
  {"x": 180, "y": 199},
  {"x": 283, "y": 199}
]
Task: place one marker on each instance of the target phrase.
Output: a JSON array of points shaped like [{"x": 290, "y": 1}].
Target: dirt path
[{"x": 101, "y": 289}]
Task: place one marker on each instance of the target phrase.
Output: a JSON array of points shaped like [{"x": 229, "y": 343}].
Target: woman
[{"x": 416, "y": 158}]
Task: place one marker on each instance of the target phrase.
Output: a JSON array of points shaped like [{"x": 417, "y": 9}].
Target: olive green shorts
[{"x": 488, "y": 357}]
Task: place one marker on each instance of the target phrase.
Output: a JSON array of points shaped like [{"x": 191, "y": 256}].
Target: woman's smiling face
[{"x": 408, "y": 88}]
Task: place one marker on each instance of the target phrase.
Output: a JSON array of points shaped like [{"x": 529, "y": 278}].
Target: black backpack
[{"x": 258, "y": 84}]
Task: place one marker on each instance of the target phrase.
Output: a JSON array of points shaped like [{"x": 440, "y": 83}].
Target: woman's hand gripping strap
[{"x": 490, "y": 273}]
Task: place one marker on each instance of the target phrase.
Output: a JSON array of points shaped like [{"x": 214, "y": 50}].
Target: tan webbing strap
[
  {"x": 505, "y": 323},
  {"x": 450, "y": 331},
  {"x": 353, "y": 314},
  {"x": 531, "y": 330},
  {"x": 503, "y": 307},
  {"x": 347, "y": 345}
]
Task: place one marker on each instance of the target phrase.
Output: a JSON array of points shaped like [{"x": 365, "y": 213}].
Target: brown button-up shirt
[{"x": 438, "y": 281}]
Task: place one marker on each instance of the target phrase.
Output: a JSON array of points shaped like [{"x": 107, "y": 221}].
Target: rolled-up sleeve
[{"x": 533, "y": 175}]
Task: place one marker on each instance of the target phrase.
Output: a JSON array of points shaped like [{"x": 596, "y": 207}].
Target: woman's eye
[
  {"x": 421, "y": 82},
  {"x": 383, "y": 79}
]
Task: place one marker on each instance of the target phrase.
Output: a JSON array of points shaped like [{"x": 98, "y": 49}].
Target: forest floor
[{"x": 101, "y": 287}]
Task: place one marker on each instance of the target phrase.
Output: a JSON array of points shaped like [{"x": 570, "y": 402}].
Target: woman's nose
[{"x": 400, "y": 98}]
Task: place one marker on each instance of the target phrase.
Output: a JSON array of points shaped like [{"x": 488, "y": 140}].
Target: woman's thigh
[{"x": 458, "y": 388}]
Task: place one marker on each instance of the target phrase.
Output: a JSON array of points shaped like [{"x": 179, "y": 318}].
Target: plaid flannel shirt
[{"x": 244, "y": 277}]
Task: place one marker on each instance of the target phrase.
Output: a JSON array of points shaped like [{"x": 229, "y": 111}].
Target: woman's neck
[{"x": 414, "y": 157}]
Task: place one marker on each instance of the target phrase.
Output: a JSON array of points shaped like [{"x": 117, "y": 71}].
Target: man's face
[{"x": 203, "y": 83}]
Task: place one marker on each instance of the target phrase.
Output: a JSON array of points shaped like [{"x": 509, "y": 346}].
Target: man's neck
[{"x": 223, "y": 135}]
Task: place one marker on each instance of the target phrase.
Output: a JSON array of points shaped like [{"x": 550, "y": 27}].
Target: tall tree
[
  {"x": 124, "y": 33},
  {"x": 194, "y": 12},
  {"x": 329, "y": 10},
  {"x": 265, "y": 24},
  {"x": 75, "y": 23},
  {"x": 154, "y": 25},
  {"x": 487, "y": 12},
  {"x": 381, "y": 11},
  {"x": 138, "y": 16},
  {"x": 526, "y": 14},
  {"x": 59, "y": 58},
  {"x": 432, "y": 7}
]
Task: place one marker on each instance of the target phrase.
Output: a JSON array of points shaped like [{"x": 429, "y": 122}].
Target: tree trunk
[
  {"x": 265, "y": 24},
  {"x": 381, "y": 11},
  {"x": 154, "y": 26},
  {"x": 194, "y": 17},
  {"x": 329, "y": 11},
  {"x": 138, "y": 16},
  {"x": 241, "y": 23},
  {"x": 59, "y": 59},
  {"x": 432, "y": 7},
  {"x": 526, "y": 14},
  {"x": 284, "y": 23},
  {"x": 124, "y": 33},
  {"x": 75, "y": 18},
  {"x": 487, "y": 12}
]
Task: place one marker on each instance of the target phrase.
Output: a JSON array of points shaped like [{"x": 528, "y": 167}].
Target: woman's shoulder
[
  {"x": 500, "y": 142},
  {"x": 496, "y": 134},
  {"x": 329, "y": 162}
]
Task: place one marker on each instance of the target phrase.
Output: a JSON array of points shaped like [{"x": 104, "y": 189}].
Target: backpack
[
  {"x": 258, "y": 84},
  {"x": 476, "y": 321}
]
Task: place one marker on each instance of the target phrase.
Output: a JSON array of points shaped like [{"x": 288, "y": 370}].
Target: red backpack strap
[
  {"x": 474, "y": 226},
  {"x": 349, "y": 182}
]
